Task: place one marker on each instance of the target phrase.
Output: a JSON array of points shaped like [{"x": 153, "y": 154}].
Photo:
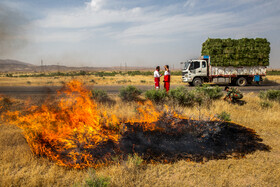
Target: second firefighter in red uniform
[
  {"x": 166, "y": 78},
  {"x": 157, "y": 77}
]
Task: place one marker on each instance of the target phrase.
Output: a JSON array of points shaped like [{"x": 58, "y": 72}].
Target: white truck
[{"x": 196, "y": 72}]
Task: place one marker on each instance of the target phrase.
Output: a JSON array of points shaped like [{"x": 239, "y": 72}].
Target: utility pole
[
  {"x": 58, "y": 67},
  {"x": 125, "y": 69},
  {"x": 42, "y": 66}
]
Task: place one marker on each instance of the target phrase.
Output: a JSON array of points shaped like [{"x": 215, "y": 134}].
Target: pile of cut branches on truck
[{"x": 237, "y": 52}]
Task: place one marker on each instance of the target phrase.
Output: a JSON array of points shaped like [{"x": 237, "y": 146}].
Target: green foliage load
[
  {"x": 241, "y": 52},
  {"x": 130, "y": 93}
]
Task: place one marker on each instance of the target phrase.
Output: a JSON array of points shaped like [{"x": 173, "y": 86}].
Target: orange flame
[
  {"x": 67, "y": 130},
  {"x": 73, "y": 122}
]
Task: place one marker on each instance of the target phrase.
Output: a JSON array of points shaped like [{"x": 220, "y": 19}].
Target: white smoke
[{"x": 12, "y": 30}]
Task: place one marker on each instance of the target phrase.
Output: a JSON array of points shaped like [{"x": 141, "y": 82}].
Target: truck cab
[{"x": 195, "y": 71}]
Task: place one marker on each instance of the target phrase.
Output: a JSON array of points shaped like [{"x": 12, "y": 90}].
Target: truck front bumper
[{"x": 186, "y": 79}]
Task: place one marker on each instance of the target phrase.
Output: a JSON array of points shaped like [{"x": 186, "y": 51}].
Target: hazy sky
[{"x": 139, "y": 33}]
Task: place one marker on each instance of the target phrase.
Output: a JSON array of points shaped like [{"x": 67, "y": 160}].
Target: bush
[
  {"x": 130, "y": 93},
  {"x": 272, "y": 95},
  {"x": 212, "y": 92},
  {"x": 101, "y": 96},
  {"x": 123, "y": 81},
  {"x": 156, "y": 96},
  {"x": 201, "y": 98},
  {"x": 134, "y": 160},
  {"x": 224, "y": 116},
  {"x": 265, "y": 104},
  {"x": 94, "y": 181},
  {"x": 182, "y": 96}
]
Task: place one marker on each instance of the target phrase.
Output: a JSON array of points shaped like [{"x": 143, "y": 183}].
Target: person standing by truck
[
  {"x": 166, "y": 79},
  {"x": 157, "y": 77}
]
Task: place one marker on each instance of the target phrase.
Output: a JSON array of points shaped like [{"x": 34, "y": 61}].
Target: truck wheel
[
  {"x": 241, "y": 81},
  {"x": 197, "y": 81}
]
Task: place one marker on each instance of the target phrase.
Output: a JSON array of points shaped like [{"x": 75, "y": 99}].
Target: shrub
[
  {"x": 9, "y": 75},
  {"x": 134, "y": 160},
  {"x": 94, "y": 181},
  {"x": 101, "y": 96},
  {"x": 182, "y": 96},
  {"x": 265, "y": 104},
  {"x": 130, "y": 93},
  {"x": 82, "y": 72},
  {"x": 224, "y": 116},
  {"x": 92, "y": 80},
  {"x": 272, "y": 95},
  {"x": 156, "y": 96},
  {"x": 123, "y": 81},
  {"x": 201, "y": 98},
  {"x": 212, "y": 92}
]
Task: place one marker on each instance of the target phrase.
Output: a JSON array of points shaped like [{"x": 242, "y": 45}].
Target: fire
[
  {"x": 74, "y": 131},
  {"x": 67, "y": 130}
]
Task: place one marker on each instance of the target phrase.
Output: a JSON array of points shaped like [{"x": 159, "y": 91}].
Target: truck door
[
  {"x": 195, "y": 67},
  {"x": 203, "y": 68}
]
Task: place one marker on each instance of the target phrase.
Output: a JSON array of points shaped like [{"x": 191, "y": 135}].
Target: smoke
[{"x": 13, "y": 26}]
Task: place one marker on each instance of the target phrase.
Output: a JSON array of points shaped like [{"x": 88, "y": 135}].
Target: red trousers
[
  {"x": 157, "y": 79},
  {"x": 167, "y": 86}
]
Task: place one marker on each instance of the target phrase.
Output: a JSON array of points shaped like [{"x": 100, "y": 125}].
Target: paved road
[{"x": 114, "y": 89}]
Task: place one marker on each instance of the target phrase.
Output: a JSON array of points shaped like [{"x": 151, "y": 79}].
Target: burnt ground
[
  {"x": 191, "y": 139},
  {"x": 183, "y": 140}
]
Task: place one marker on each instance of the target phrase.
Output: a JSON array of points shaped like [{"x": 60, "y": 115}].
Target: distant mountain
[
  {"x": 10, "y": 66},
  {"x": 14, "y": 65},
  {"x": 9, "y": 62}
]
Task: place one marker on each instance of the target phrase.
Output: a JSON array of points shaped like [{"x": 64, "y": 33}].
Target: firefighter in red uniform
[
  {"x": 157, "y": 77},
  {"x": 166, "y": 78}
]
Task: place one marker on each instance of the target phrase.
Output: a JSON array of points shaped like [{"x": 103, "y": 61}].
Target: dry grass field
[
  {"x": 274, "y": 78},
  {"x": 19, "y": 167},
  {"x": 95, "y": 80}
]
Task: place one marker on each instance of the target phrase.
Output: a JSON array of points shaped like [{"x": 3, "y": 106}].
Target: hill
[{"x": 8, "y": 65}]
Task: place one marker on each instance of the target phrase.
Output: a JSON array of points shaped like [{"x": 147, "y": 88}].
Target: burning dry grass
[{"x": 20, "y": 167}]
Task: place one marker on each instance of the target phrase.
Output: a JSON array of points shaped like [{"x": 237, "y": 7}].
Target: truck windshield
[{"x": 186, "y": 65}]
